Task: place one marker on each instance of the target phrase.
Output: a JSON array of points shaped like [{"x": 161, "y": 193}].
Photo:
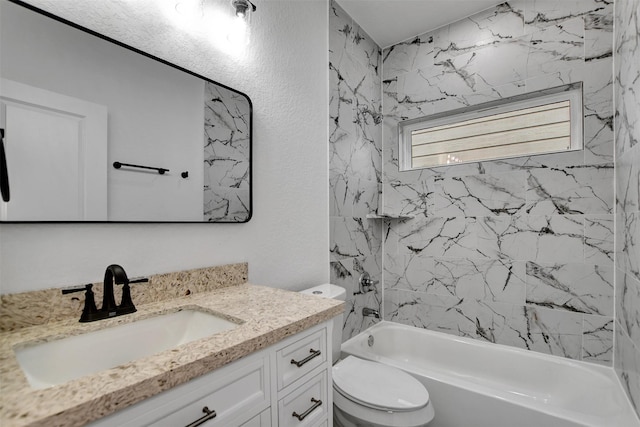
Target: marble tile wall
[
  {"x": 519, "y": 251},
  {"x": 627, "y": 149},
  {"x": 227, "y": 117},
  {"x": 355, "y": 146}
]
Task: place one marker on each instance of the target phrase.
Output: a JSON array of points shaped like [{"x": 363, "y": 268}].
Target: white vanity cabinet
[{"x": 287, "y": 384}]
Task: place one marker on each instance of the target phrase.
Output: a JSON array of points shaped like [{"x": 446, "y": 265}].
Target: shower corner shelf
[{"x": 389, "y": 216}]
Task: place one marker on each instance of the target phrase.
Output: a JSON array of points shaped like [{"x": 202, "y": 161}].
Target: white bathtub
[{"x": 477, "y": 384}]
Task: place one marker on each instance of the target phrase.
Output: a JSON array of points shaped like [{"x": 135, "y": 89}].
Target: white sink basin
[{"x": 56, "y": 362}]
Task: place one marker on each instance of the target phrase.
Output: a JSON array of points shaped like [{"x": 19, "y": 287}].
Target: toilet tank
[{"x": 335, "y": 292}]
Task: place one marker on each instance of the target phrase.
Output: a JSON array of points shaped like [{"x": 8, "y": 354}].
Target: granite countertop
[{"x": 268, "y": 316}]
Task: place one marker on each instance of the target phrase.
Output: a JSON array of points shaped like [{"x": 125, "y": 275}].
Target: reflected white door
[{"x": 56, "y": 149}]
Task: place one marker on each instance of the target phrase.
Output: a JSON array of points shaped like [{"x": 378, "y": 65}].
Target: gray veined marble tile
[
  {"x": 598, "y": 36},
  {"x": 628, "y": 305},
  {"x": 345, "y": 273},
  {"x": 486, "y": 280},
  {"x": 412, "y": 272},
  {"x": 481, "y": 63},
  {"x": 556, "y": 47},
  {"x": 554, "y": 160},
  {"x": 481, "y": 280},
  {"x": 628, "y": 182},
  {"x": 414, "y": 96},
  {"x": 598, "y": 138},
  {"x": 544, "y": 13},
  {"x": 352, "y": 197},
  {"x": 355, "y": 154},
  {"x": 348, "y": 41},
  {"x": 599, "y": 239},
  {"x": 629, "y": 243},
  {"x": 354, "y": 237},
  {"x": 543, "y": 330},
  {"x": 433, "y": 312},
  {"x": 453, "y": 237},
  {"x": 598, "y": 87},
  {"x": 480, "y": 195},
  {"x": 493, "y": 93},
  {"x": 627, "y": 366},
  {"x": 572, "y": 190},
  {"x": 556, "y": 238},
  {"x": 489, "y": 27},
  {"x": 408, "y": 198},
  {"x": 340, "y": 30},
  {"x": 408, "y": 56},
  {"x": 627, "y": 73},
  {"x": 557, "y": 78},
  {"x": 339, "y": 196},
  {"x": 580, "y": 288},
  {"x": 627, "y": 238},
  {"x": 597, "y": 339},
  {"x": 365, "y": 198},
  {"x": 491, "y": 319}
]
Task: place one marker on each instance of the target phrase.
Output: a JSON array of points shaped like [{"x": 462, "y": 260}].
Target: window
[{"x": 542, "y": 122}]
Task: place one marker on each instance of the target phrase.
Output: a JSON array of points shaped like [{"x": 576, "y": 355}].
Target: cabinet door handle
[
  {"x": 208, "y": 415},
  {"x": 316, "y": 404},
  {"x": 314, "y": 353}
]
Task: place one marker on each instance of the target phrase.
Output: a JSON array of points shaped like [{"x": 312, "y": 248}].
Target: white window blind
[{"x": 536, "y": 123}]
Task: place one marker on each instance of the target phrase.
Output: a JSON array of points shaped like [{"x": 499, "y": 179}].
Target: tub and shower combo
[{"x": 477, "y": 384}]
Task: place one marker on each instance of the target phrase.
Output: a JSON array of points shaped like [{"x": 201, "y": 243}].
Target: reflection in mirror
[
  {"x": 74, "y": 103},
  {"x": 226, "y": 154}
]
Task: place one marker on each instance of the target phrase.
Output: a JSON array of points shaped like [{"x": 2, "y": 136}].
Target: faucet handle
[
  {"x": 73, "y": 289},
  {"x": 90, "y": 311},
  {"x": 126, "y": 304}
]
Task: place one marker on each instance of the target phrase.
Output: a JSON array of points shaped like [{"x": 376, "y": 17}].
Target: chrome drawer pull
[
  {"x": 314, "y": 353},
  {"x": 302, "y": 416},
  {"x": 209, "y": 415}
]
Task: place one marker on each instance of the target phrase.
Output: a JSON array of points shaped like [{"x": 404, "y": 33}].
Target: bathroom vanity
[
  {"x": 271, "y": 369},
  {"x": 263, "y": 389}
]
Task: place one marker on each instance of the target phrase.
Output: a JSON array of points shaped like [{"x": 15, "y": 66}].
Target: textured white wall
[{"x": 284, "y": 71}]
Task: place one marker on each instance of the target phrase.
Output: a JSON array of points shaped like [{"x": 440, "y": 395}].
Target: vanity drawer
[
  {"x": 309, "y": 402},
  {"x": 236, "y": 392},
  {"x": 301, "y": 357},
  {"x": 263, "y": 419}
]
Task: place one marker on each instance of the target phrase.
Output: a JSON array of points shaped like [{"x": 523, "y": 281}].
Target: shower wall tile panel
[
  {"x": 516, "y": 251},
  {"x": 355, "y": 166},
  {"x": 627, "y": 220}
]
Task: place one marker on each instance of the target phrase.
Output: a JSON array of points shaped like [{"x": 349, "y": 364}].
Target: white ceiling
[{"x": 391, "y": 21}]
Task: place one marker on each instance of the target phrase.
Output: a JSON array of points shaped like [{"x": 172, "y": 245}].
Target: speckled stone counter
[{"x": 267, "y": 314}]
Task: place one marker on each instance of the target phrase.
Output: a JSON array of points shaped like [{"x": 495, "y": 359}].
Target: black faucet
[{"x": 114, "y": 274}]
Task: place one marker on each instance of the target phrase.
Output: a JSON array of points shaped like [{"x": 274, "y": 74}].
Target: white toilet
[{"x": 371, "y": 394}]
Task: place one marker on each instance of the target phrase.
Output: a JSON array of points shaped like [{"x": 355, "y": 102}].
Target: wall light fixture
[{"x": 243, "y": 7}]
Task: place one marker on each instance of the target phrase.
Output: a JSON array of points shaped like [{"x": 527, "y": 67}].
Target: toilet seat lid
[{"x": 378, "y": 386}]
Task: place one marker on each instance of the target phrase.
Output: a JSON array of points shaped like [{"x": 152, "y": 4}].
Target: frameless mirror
[{"x": 95, "y": 130}]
